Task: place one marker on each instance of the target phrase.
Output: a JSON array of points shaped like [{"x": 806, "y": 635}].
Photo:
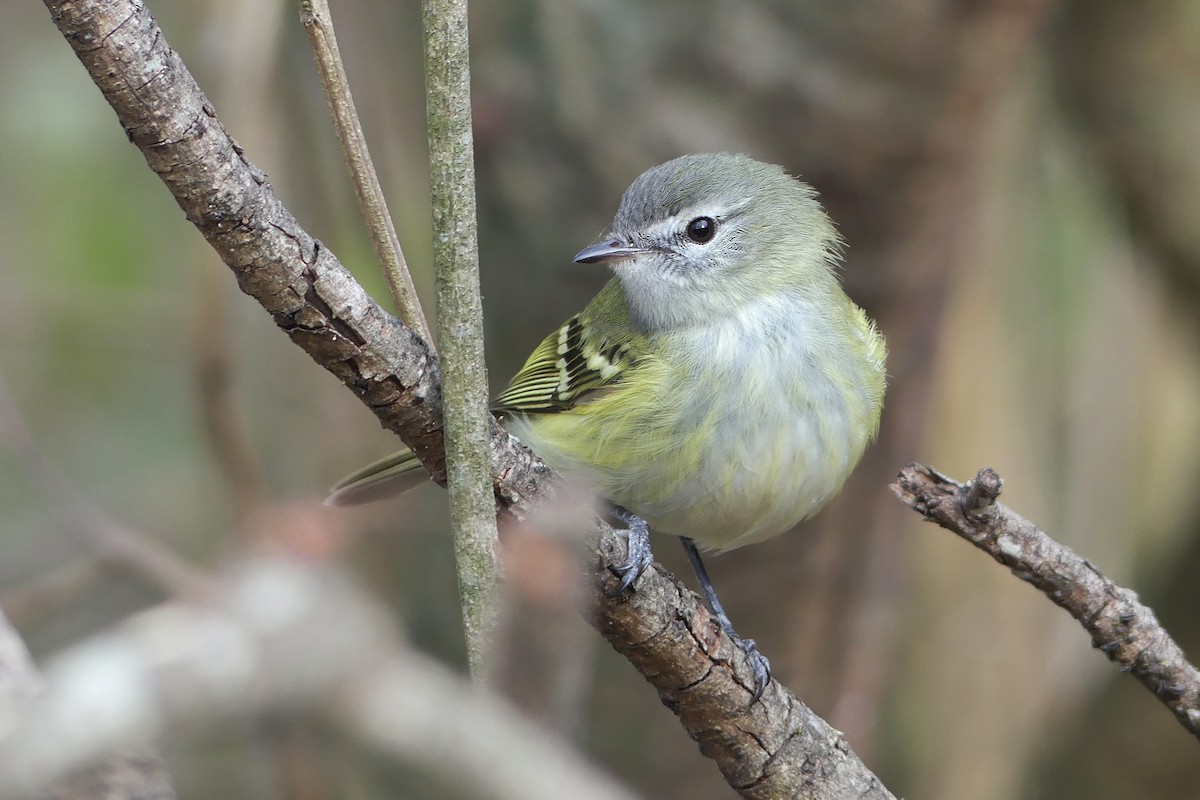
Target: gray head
[{"x": 702, "y": 235}]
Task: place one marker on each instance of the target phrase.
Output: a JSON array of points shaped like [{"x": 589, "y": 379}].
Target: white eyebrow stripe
[{"x": 719, "y": 213}]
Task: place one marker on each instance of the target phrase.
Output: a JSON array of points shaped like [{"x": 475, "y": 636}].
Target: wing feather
[{"x": 593, "y": 350}]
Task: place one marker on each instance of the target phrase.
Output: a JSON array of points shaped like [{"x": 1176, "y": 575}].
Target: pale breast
[{"x": 751, "y": 427}]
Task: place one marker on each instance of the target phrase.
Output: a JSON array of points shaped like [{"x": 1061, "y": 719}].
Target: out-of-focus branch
[
  {"x": 125, "y": 777},
  {"x": 460, "y": 320},
  {"x": 283, "y": 633},
  {"x": 775, "y": 748},
  {"x": 89, "y": 524},
  {"x": 19, "y": 678},
  {"x": 543, "y": 657},
  {"x": 319, "y": 24},
  {"x": 1121, "y": 627},
  {"x": 46, "y": 594},
  {"x": 238, "y": 464},
  {"x": 1129, "y": 76}
]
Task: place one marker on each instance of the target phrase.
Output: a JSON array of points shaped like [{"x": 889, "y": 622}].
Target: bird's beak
[{"x": 607, "y": 250}]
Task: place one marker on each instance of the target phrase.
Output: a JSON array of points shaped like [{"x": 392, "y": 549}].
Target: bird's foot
[
  {"x": 758, "y": 663},
  {"x": 637, "y": 533}
]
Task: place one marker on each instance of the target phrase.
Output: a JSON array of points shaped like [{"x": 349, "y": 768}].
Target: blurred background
[{"x": 1018, "y": 182}]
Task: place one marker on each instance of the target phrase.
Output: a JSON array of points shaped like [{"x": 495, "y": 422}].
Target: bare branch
[
  {"x": 319, "y": 24},
  {"x": 124, "y": 777},
  {"x": 1121, "y": 627},
  {"x": 283, "y": 633},
  {"x": 308, "y": 293},
  {"x": 773, "y": 749}
]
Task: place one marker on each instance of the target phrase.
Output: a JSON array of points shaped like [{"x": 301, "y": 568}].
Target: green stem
[{"x": 460, "y": 319}]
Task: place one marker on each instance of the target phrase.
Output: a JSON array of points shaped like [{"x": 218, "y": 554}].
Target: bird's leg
[
  {"x": 637, "y": 533},
  {"x": 759, "y": 662}
]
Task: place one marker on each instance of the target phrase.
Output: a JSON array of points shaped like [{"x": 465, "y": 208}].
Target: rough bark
[{"x": 1120, "y": 626}]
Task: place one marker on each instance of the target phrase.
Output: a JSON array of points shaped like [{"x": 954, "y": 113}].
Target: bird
[{"x": 720, "y": 387}]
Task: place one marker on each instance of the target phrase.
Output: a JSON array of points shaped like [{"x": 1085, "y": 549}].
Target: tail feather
[{"x": 387, "y": 477}]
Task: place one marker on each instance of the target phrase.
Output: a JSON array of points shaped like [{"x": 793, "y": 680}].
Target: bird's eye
[{"x": 702, "y": 229}]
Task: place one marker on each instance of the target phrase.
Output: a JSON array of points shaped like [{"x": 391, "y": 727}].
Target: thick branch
[
  {"x": 774, "y": 749},
  {"x": 308, "y": 293},
  {"x": 1121, "y": 627}
]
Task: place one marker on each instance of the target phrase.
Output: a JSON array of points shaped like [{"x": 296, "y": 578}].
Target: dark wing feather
[{"x": 592, "y": 350}]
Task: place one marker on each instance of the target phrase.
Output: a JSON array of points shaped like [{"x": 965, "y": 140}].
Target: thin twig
[
  {"x": 460, "y": 319},
  {"x": 1121, "y": 627},
  {"x": 226, "y": 430},
  {"x": 319, "y": 24}
]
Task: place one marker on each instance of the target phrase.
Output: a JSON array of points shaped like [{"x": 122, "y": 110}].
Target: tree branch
[
  {"x": 774, "y": 749},
  {"x": 1121, "y": 627},
  {"x": 291, "y": 634},
  {"x": 460, "y": 319},
  {"x": 308, "y": 293},
  {"x": 127, "y": 776}
]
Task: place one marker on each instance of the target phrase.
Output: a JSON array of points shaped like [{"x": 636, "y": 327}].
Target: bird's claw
[
  {"x": 638, "y": 556},
  {"x": 758, "y": 663}
]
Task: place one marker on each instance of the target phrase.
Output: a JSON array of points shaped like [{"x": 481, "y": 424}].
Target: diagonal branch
[
  {"x": 315, "y": 16},
  {"x": 776, "y": 748},
  {"x": 1121, "y": 627}
]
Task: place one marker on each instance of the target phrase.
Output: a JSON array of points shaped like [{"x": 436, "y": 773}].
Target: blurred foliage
[{"x": 1019, "y": 188}]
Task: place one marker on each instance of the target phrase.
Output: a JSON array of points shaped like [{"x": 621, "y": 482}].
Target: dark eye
[{"x": 701, "y": 229}]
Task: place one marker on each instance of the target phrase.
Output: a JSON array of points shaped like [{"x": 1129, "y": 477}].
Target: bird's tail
[{"x": 390, "y": 476}]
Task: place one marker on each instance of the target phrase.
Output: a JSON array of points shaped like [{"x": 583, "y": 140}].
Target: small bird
[{"x": 721, "y": 387}]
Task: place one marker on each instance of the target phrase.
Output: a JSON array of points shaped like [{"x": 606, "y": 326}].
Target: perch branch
[{"x": 1120, "y": 626}]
